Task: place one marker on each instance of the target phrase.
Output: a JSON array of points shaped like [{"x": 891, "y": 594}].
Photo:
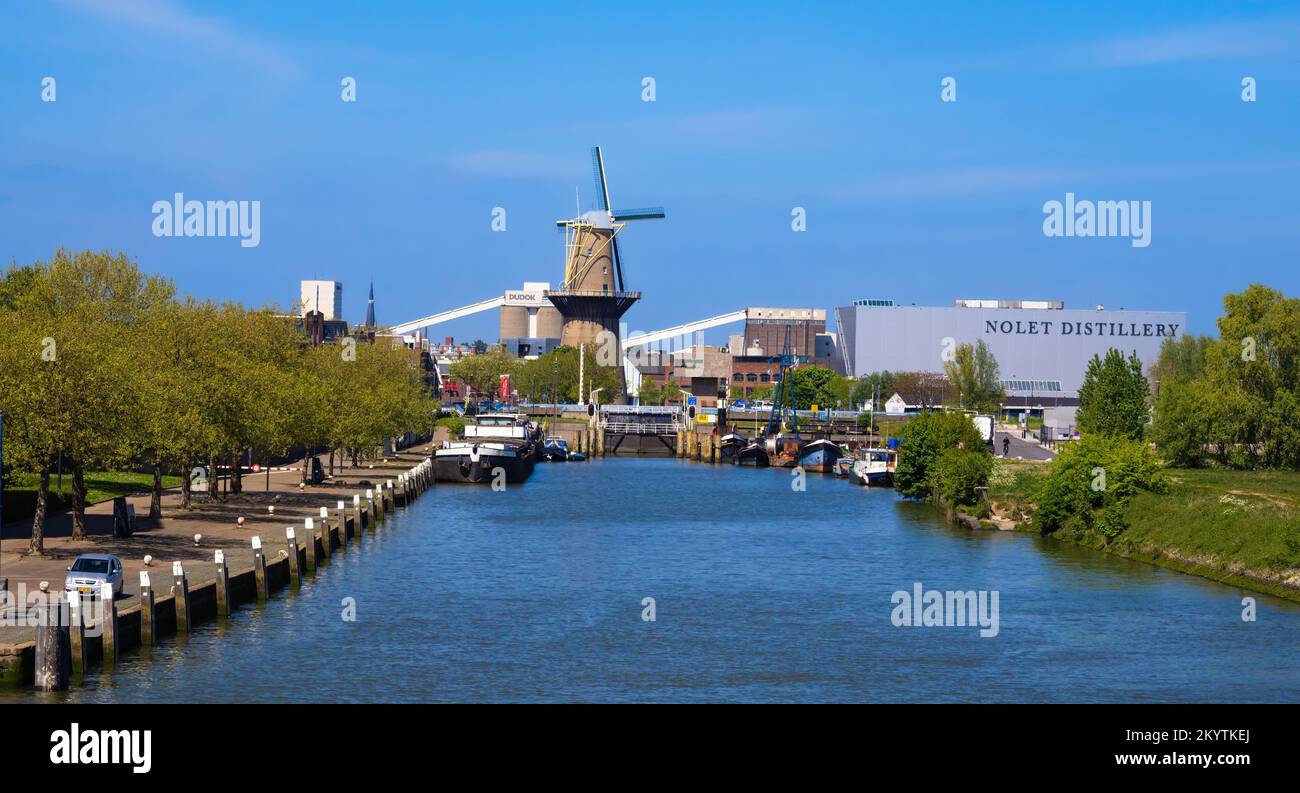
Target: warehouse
[{"x": 1042, "y": 347}]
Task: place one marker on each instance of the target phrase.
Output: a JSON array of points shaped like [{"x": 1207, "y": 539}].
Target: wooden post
[
  {"x": 341, "y": 515},
  {"x": 108, "y": 631},
  {"x": 181, "y": 593},
  {"x": 291, "y": 542},
  {"x": 77, "y": 634},
  {"x": 147, "y": 621},
  {"x": 51, "y": 654},
  {"x": 223, "y": 585},
  {"x": 259, "y": 569},
  {"x": 372, "y": 519},
  {"x": 327, "y": 541},
  {"x": 309, "y": 543}
]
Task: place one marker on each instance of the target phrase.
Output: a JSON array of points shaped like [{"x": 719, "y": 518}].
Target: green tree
[
  {"x": 1089, "y": 484},
  {"x": 973, "y": 371},
  {"x": 877, "y": 384},
  {"x": 924, "y": 439},
  {"x": 817, "y": 385},
  {"x": 1113, "y": 397},
  {"x": 649, "y": 392},
  {"x": 482, "y": 372}
]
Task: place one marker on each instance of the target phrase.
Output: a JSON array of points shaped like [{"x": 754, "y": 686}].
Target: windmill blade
[
  {"x": 598, "y": 166},
  {"x": 645, "y": 213},
  {"x": 618, "y": 261}
]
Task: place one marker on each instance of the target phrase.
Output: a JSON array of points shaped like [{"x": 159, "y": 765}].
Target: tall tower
[
  {"x": 592, "y": 298},
  {"x": 370, "y": 308}
]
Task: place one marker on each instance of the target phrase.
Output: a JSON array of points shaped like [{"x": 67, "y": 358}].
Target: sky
[{"x": 759, "y": 108}]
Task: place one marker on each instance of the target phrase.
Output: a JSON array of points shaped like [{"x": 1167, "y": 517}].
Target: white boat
[{"x": 875, "y": 467}]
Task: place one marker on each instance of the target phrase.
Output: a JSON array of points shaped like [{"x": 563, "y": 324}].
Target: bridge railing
[{"x": 641, "y": 427}]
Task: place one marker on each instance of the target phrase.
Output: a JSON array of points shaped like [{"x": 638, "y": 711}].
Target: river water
[{"x": 761, "y": 593}]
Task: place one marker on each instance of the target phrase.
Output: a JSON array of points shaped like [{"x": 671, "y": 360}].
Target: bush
[
  {"x": 925, "y": 439},
  {"x": 960, "y": 475},
  {"x": 1097, "y": 472},
  {"x": 866, "y": 423},
  {"x": 454, "y": 424}
]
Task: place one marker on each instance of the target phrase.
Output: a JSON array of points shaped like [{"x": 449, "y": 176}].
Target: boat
[
  {"x": 731, "y": 444},
  {"x": 479, "y": 461},
  {"x": 820, "y": 455},
  {"x": 508, "y": 442},
  {"x": 783, "y": 450},
  {"x": 556, "y": 449},
  {"x": 874, "y": 467},
  {"x": 753, "y": 454},
  {"x": 577, "y": 457}
]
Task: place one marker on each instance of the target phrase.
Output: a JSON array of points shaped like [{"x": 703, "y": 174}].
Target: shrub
[
  {"x": 454, "y": 424},
  {"x": 960, "y": 475},
  {"x": 1097, "y": 472},
  {"x": 925, "y": 439}
]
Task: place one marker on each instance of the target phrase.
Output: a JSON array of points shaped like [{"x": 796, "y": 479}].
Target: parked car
[
  {"x": 91, "y": 571},
  {"x": 760, "y": 404},
  {"x": 740, "y": 404}
]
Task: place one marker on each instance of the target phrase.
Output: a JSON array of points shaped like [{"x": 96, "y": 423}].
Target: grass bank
[
  {"x": 20, "y": 493},
  {"x": 1237, "y": 527}
]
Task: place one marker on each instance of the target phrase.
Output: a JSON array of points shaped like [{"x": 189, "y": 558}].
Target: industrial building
[
  {"x": 530, "y": 325},
  {"x": 1042, "y": 347}
]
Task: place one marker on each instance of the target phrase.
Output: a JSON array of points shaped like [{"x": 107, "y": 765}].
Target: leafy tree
[
  {"x": 1113, "y": 397},
  {"x": 650, "y": 392},
  {"x": 482, "y": 372},
  {"x": 559, "y": 370},
  {"x": 925, "y": 439},
  {"x": 865, "y": 389},
  {"x": 817, "y": 385},
  {"x": 973, "y": 371}
]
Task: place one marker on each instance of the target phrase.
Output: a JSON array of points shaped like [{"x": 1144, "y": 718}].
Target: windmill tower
[{"x": 592, "y": 298}]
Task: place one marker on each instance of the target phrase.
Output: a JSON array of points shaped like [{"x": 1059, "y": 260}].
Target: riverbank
[
  {"x": 1234, "y": 527},
  {"x": 191, "y": 537}
]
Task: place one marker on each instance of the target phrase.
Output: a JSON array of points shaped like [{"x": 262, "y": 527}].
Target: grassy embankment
[
  {"x": 1238, "y": 527},
  {"x": 20, "y": 494}
]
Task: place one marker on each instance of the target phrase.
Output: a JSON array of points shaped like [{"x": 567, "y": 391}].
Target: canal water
[{"x": 760, "y": 593}]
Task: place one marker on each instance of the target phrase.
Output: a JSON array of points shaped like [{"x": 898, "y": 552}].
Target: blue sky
[{"x": 760, "y": 107}]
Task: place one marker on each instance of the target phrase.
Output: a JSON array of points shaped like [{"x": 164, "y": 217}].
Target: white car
[{"x": 93, "y": 570}]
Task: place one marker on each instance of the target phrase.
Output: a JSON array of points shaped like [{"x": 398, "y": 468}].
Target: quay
[{"x": 287, "y": 532}]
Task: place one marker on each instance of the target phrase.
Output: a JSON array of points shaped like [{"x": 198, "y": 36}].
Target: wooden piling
[
  {"x": 259, "y": 570},
  {"x": 291, "y": 543},
  {"x": 108, "y": 632},
  {"x": 309, "y": 544},
  {"x": 181, "y": 593},
  {"x": 147, "y": 610},
  {"x": 223, "y": 585},
  {"x": 327, "y": 539},
  {"x": 77, "y": 634},
  {"x": 341, "y": 517},
  {"x": 51, "y": 655}
]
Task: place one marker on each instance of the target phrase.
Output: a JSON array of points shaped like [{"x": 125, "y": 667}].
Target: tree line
[{"x": 110, "y": 368}]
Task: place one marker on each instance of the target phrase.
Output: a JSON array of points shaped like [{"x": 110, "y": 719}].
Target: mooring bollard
[
  {"x": 146, "y": 610},
  {"x": 259, "y": 569},
  {"x": 51, "y": 657},
  {"x": 370, "y": 510},
  {"x": 77, "y": 634},
  {"x": 181, "y": 594},
  {"x": 223, "y": 584},
  {"x": 291, "y": 541},
  {"x": 341, "y": 515},
  {"x": 108, "y": 634}
]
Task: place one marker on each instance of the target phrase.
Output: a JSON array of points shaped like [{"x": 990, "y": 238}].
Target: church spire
[{"x": 370, "y": 307}]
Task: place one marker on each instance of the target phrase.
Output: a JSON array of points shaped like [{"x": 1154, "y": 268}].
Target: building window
[
  {"x": 738, "y": 377},
  {"x": 765, "y": 377},
  {"x": 751, "y": 377}
]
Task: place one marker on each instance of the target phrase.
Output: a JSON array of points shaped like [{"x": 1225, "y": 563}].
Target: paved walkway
[
  {"x": 1025, "y": 449},
  {"x": 171, "y": 538}
]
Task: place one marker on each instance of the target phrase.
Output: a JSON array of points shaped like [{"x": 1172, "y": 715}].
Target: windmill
[{"x": 593, "y": 296}]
